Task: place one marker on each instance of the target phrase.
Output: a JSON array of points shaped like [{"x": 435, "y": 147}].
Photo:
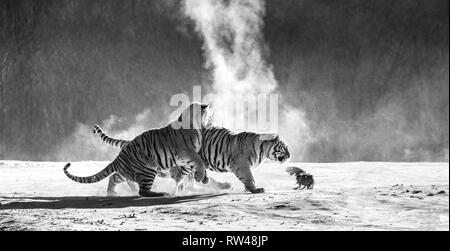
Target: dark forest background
[{"x": 372, "y": 76}]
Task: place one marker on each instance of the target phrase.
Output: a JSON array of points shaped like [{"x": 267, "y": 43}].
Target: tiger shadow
[{"x": 95, "y": 202}]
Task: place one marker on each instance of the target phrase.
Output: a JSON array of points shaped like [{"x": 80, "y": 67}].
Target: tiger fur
[
  {"x": 177, "y": 144},
  {"x": 224, "y": 151}
]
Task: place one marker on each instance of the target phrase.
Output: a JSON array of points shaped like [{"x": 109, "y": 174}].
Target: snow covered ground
[{"x": 347, "y": 196}]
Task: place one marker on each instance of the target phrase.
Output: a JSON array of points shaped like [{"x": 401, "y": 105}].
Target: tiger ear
[
  {"x": 268, "y": 136},
  {"x": 204, "y": 106}
]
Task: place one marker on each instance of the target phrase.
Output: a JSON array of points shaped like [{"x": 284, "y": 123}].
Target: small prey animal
[{"x": 304, "y": 180}]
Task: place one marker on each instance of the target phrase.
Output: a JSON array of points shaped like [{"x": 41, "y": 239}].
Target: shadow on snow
[{"x": 95, "y": 202}]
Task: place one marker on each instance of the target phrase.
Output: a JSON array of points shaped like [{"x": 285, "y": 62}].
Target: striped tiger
[
  {"x": 139, "y": 160},
  {"x": 225, "y": 151},
  {"x": 177, "y": 172}
]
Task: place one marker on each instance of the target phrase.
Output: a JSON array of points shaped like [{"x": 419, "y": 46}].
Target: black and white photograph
[{"x": 224, "y": 115}]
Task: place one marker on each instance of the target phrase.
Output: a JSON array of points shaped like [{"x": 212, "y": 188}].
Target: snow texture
[{"x": 347, "y": 196}]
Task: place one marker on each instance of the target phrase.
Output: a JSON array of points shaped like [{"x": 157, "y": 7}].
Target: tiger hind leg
[
  {"x": 145, "y": 180},
  {"x": 133, "y": 186},
  {"x": 151, "y": 194},
  {"x": 144, "y": 173},
  {"x": 182, "y": 177},
  {"x": 114, "y": 180}
]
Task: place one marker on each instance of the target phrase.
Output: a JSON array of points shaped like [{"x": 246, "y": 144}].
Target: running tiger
[
  {"x": 139, "y": 160},
  {"x": 177, "y": 173},
  {"x": 224, "y": 151}
]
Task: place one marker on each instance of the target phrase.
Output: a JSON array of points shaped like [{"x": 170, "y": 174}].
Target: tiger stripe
[
  {"x": 158, "y": 149},
  {"x": 224, "y": 151}
]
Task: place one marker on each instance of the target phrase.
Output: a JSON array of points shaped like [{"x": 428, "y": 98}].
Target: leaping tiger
[
  {"x": 177, "y": 144},
  {"x": 224, "y": 151}
]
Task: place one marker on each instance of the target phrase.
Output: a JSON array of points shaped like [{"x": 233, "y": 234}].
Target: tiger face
[
  {"x": 279, "y": 151},
  {"x": 207, "y": 118},
  {"x": 196, "y": 116}
]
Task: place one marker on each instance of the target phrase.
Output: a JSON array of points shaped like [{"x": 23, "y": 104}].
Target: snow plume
[{"x": 234, "y": 52}]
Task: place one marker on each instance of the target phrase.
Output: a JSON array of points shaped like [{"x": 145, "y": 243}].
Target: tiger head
[
  {"x": 195, "y": 116},
  {"x": 278, "y": 150}
]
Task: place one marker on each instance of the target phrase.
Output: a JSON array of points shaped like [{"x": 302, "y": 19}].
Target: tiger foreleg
[
  {"x": 244, "y": 174},
  {"x": 192, "y": 160}
]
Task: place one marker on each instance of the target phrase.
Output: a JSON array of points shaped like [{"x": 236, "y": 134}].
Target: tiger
[
  {"x": 177, "y": 173},
  {"x": 225, "y": 151},
  {"x": 177, "y": 144}
]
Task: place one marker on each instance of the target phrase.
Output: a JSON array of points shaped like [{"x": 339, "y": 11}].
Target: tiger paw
[
  {"x": 200, "y": 175},
  {"x": 150, "y": 194},
  {"x": 205, "y": 180},
  {"x": 257, "y": 190}
]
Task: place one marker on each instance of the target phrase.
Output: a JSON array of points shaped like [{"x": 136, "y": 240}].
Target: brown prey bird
[{"x": 304, "y": 180}]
